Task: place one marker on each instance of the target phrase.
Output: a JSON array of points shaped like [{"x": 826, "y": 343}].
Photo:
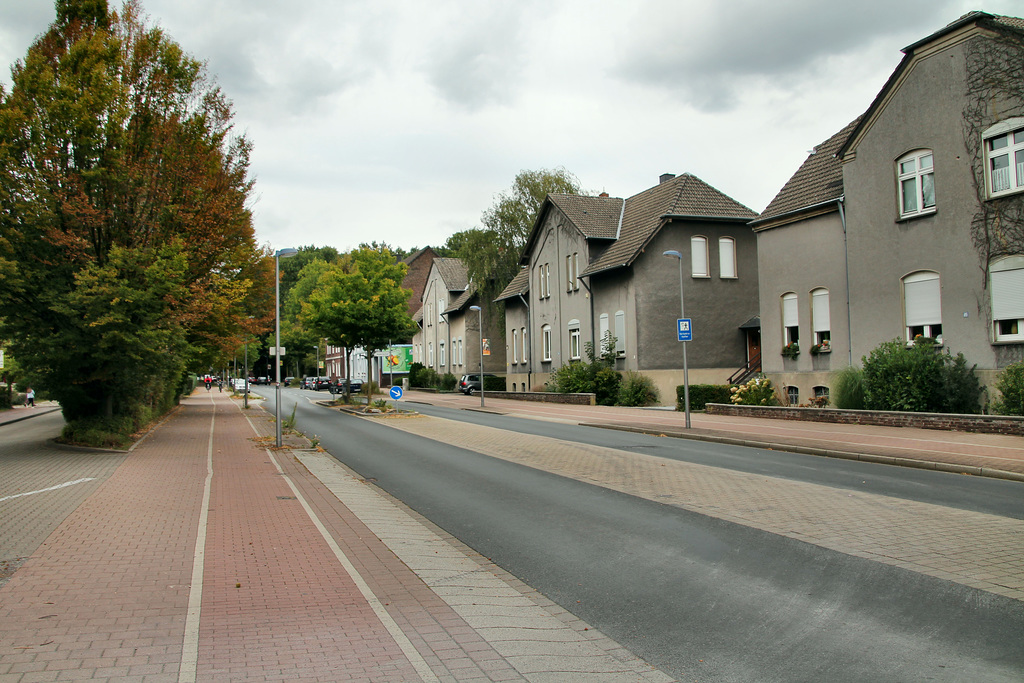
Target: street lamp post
[
  {"x": 480, "y": 324},
  {"x": 682, "y": 314},
  {"x": 278, "y": 255}
]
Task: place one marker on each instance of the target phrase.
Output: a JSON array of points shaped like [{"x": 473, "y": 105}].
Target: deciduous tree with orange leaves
[{"x": 127, "y": 251}]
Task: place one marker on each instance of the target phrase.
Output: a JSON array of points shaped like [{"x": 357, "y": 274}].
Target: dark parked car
[
  {"x": 355, "y": 386},
  {"x": 471, "y": 383},
  {"x": 321, "y": 383}
]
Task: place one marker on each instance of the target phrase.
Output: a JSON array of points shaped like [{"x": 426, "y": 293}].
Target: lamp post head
[
  {"x": 286, "y": 252},
  {"x": 673, "y": 252},
  {"x": 474, "y": 308}
]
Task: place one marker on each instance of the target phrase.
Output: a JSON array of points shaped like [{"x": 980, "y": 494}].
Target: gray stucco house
[
  {"x": 448, "y": 338},
  {"x": 910, "y": 221},
  {"x": 594, "y": 266}
]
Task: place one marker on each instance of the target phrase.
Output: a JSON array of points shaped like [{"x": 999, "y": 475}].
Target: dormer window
[{"x": 917, "y": 184}]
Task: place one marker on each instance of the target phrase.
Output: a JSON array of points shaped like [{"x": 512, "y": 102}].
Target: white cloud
[{"x": 399, "y": 120}]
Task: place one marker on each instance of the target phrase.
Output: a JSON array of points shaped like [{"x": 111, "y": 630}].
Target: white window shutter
[
  {"x": 1007, "y": 294},
  {"x": 790, "y": 318},
  {"x": 819, "y": 311},
  {"x": 922, "y": 301}
]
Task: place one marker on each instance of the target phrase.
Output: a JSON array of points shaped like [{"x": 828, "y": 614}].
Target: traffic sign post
[{"x": 684, "y": 327}]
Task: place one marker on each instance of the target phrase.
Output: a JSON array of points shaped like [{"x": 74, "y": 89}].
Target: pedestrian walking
[{"x": 30, "y": 398}]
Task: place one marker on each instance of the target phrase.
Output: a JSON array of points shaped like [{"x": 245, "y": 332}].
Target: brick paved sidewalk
[
  {"x": 979, "y": 454},
  {"x": 208, "y": 556}
]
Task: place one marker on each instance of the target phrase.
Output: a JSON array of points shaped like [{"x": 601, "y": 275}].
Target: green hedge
[
  {"x": 494, "y": 384},
  {"x": 702, "y": 394}
]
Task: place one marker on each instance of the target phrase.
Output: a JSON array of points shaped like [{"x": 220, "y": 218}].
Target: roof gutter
[{"x": 795, "y": 212}]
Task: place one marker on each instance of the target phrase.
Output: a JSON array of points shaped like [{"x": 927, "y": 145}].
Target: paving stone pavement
[
  {"x": 975, "y": 549},
  {"x": 207, "y": 555}
]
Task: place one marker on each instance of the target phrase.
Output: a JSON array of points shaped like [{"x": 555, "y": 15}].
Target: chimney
[
  {"x": 665, "y": 177},
  {"x": 603, "y": 195}
]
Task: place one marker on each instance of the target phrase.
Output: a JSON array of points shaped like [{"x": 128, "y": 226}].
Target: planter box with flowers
[
  {"x": 791, "y": 350},
  {"x": 824, "y": 347}
]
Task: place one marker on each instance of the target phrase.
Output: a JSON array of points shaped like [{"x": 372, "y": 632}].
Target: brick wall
[
  {"x": 545, "y": 397},
  {"x": 988, "y": 424}
]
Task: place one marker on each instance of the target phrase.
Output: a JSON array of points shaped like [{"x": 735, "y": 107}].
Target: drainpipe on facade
[
  {"x": 846, "y": 257},
  {"x": 526, "y": 345},
  {"x": 593, "y": 335}
]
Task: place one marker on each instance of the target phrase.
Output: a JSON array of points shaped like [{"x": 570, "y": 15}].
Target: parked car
[
  {"x": 338, "y": 387},
  {"x": 321, "y": 383},
  {"x": 471, "y": 383}
]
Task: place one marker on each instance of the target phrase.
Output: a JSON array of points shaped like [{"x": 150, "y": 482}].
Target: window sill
[
  {"x": 1009, "y": 340},
  {"x": 1005, "y": 193},
  {"x": 701, "y": 277},
  {"x": 914, "y": 216}
]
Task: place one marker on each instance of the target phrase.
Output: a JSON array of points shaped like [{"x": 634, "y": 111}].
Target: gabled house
[
  {"x": 931, "y": 206},
  {"x": 594, "y": 268},
  {"x": 448, "y": 339}
]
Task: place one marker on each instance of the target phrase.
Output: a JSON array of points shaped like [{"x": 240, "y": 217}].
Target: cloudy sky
[{"x": 399, "y": 120}]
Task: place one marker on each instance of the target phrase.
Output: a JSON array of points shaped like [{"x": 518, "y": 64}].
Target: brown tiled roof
[
  {"x": 520, "y": 285},
  {"x": 685, "y": 196},
  {"x": 418, "y": 315},
  {"x": 453, "y": 272},
  {"x": 1015, "y": 23},
  {"x": 596, "y": 217},
  {"x": 463, "y": 299},
  {"x": 818, "y": 180}
]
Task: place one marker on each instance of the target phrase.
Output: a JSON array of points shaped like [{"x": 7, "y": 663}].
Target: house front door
[{"x": 754, "y": 347}]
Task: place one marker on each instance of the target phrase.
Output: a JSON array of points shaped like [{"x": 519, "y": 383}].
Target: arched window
[
  {"x": 515, "y": 346},
  {"x": 821, "y": 322},
  {"x": 726, "y": 257},
  {"x": 574, "y": 340},
  {"x": 790, "y": 319},
  {"x": 1006, "y": 287},
  {"x": 699, "y": 256},
  {"x": 922, "y": 306},
  {"x": 917, "y": 183},
  {"x": 545, "y": 336},
  {"x": 620, "y": 333}
]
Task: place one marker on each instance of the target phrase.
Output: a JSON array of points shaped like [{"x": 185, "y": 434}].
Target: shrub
[
  {"x": 447, "y": 382},
  {"x": 702, "y": 394},
  {"x": 847, "y": 391},
  {"x": 759, "y": 391},
  {"x": 494, "y": 384},
  {"x": 416, "y": 375},
  {"x": 1010, "y": 384},
  {"x": 919, "y": 378},
  {"x": 637, "y": 390},
  {"x": 429, "y": 378},
  {"x": 607, "y": 383},
  {"x": 573, "y": 378}
]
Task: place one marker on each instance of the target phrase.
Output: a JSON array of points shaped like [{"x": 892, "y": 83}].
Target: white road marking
[{"x": 52, "y": 488}]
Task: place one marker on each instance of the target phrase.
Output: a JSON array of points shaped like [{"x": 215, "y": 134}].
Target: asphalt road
[{"x": 699, "y": 597}]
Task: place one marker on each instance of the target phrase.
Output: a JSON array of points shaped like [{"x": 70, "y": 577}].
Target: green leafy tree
[
  {"x": 365, "y": 306},
  {"x": 1011, "y": 390},
  {"x": 919, "y": 378},
  {"x": 127, "y": 251},
  {"x": 491, "y": 253}
]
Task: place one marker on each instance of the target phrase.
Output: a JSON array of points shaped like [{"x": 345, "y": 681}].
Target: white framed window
[
  {"x": 602, "y": 329},
  {"x": 790, "y": 319},
  {"x": 1006, "y": 287},
  {"x": 568, "y": 273},
  {"x": 1004, "y": 157},
  {"x": 462, "y": 358},
  {"x": 545, "y": 337},
  {"x": 917, "y": 183},
  {"x": 522, "y": 331},
  {"x": 821, "y": 322},
  {"x": 440, "y": 354},
  {"x": 440, "y": 310},
  {"x": 574, "y": 340},
  {"x": 547, "y": 279},
  {"x": 726, "y": 258},
  {"x": 515, "y": 346},
  {"x": 574, "y": 281},
  {"x": 793, "y": 395},
  {"x": 430, "y": 314},
  {"x": 430, "y": 354},
  {"x": 698, "y": 256},
  {"x": 922, "y": 305},
  {"x": 620, "y": 334}
]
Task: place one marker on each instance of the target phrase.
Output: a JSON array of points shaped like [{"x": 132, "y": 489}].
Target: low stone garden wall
[
  {"x": 545, "y": 397},
  {"x": 987, "y": 424}
]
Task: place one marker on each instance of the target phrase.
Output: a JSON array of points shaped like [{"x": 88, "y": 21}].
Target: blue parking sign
[
  {"x": 685, "y": 329},
  {"x": 396, "y": 393}
]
